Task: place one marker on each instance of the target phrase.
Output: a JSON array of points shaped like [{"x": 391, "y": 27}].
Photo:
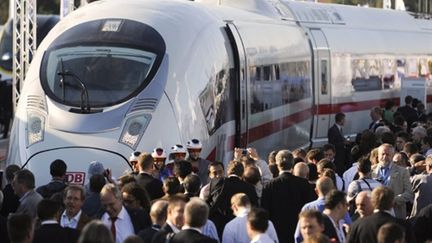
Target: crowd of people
[{"x": 377, "y": 188}]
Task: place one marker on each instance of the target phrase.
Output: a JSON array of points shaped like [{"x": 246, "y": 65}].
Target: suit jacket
[
  {"x": 283, "y": 197},
  {"x": 191, "y": 236},
  {"x": 409, "y": 113},
  {"x": 422, "y": 188},
  {"x": 160, "y": 236},
  {"x": 221, "y": 191},
  {"x": 153, "y": 186},
  {"x": 55, "y": 233},
  {"x": 400, "y": 184},
  {"x": 4, "y": 238},
  {"x": 365, "y": 230},
  {"x": 29, "y": 203},
  {"x": 329, "y": 229},
  {"x": 139, "y": 218},
  {"x": 84, "y": 219},
  {"x": 336, "y": 138},
  {"x": 10, "y": 201},
  {"x": 422, "y": 224},
  {"x": 147, "y": 234}
]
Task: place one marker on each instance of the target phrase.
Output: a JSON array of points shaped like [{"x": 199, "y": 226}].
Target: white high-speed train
[{"x": 118, "y": 76}]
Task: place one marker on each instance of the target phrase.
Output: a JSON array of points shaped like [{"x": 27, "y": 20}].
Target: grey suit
[
  {"x": 422, "y": 187},
  {"x": 29, "y": 202},
  {"x": 399, "y": 182}
]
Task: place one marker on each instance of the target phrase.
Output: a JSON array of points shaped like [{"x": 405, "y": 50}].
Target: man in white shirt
[
  {"x": 121, "y": 221},
  {"x": 235, "y": 231},
  {"x": 257, "y": 225},
  {"x": 72, "y": 216}
]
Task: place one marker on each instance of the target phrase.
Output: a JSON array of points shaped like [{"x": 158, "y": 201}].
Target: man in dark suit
[
  {"x": 50, "y": 230},
  {"x": 284, "y": 196},
  {"x": 73, "y": 217},
  {"x": 158, "y": 215},
  {"x": 145, "y": 178},
  {"x": 335, "y": 208},
  {"x": 196, "y": 215},
  {"x": 407, "y": 111},
  {"x": 336, "y": 137},
  {"x": 10, "y": 200},
  {"x": 422, "y": 223},
  {"x": 175, "y": 218},
  {"x": 20, "y": 228},
  {"x": 366, "y": 229},
  {"x": 221, "y": 191},
  {"x": 376, "y": 115},
  {"x": 122, "y": 221}
]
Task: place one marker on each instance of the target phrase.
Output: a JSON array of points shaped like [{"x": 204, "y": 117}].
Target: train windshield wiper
[{"x": 84, "y": 91}]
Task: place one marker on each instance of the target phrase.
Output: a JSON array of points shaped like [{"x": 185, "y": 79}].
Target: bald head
[
  {"x": 324, "y": 185},
  {"x": 363, "y": 204},
  {"x": 301, "y": 169}
]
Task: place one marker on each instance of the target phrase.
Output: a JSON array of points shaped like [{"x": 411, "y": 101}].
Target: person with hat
[
  {"x": 133, "y": 161},
  {"x": 160, "y": 170},
  {"x": 95, "y": 168},
  {"x": 177, "y": 153},
  {"x": 199, "y": 165}
]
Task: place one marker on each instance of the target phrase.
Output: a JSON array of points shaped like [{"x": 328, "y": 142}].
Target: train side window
[
  {"x": 324, "y": 77},
  {"x": 266, "y": 73},
  {"x": 258, "y": 73},
  {"x": 277, "y": 74}
]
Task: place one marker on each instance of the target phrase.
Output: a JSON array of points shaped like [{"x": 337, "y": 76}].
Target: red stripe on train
[{"x": 280, "y": 124}]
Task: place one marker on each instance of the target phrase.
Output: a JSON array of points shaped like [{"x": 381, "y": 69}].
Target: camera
[
  {"x": 244, "y": 151},
  {"x": 106, "y": 172}
]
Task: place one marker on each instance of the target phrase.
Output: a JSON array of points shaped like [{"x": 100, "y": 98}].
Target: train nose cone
[{"x": 78, "y": 160}]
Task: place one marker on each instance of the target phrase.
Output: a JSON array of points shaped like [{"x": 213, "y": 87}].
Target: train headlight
[
  {"x": 35, "y": 127},
  {"x": 134, "y": 130}
]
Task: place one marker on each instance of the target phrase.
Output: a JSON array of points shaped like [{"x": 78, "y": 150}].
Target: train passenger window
[
  {"x": 267, "y": 73},
  {"x": 277, "y": 74},
  {"x": 292, "y": 84},
  {"x": 258, "y": 73},
  {"x": 215, "y": 100},
  {"x": 324, "y": 77}
]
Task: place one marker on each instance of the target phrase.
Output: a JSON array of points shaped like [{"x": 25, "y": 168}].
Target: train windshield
[
  {"x": 101, "y": 63},
  {"x": 107, "y": 74}
]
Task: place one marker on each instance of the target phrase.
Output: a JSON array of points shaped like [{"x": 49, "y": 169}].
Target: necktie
[{"x": 113, "y": 228}]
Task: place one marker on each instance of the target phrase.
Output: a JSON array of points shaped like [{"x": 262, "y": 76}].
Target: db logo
[{"x": 76, "y": 178}]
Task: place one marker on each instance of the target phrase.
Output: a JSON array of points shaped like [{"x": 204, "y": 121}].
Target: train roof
[
  {"x": 321, "y": 14},
  {"x": 324, "y": 14}
]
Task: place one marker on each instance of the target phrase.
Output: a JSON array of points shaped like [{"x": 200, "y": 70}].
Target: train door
[
  {"x": 322, "y": 84},
  {"x": 241, "y": 138}
]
